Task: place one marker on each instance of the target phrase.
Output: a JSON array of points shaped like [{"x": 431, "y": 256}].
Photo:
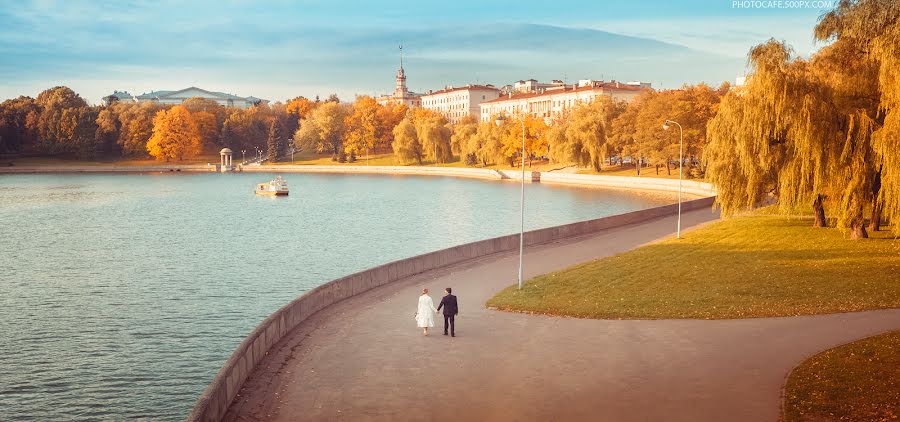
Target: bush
[{"x": 471, "y": 159}]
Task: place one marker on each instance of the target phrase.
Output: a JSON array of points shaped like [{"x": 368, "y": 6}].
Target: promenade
[{"x": 364, "y": 359}]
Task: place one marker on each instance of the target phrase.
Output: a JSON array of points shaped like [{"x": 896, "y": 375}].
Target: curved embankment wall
[
  {"x": 215, "y": 400},
  {"x": 689, "y": 187}
]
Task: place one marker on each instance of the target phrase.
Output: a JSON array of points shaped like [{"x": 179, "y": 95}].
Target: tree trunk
[
  {"x": 657, "y": 169},
  {"x": 875, "y": 222},
  {"x": 819, "y": 212},
  {"x": 668, "y": 169},
  {"x": 638, "y": 166},
  {"x": 858, "y": 229}
]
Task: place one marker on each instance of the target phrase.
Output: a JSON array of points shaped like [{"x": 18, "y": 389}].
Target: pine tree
[{"x": 274, "y": 142}]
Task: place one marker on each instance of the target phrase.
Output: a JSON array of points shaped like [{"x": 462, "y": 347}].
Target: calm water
[{"x": 122, "y": 295}]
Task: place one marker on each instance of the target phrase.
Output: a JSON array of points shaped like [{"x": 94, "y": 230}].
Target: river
[{"x": 121, "y": 295}]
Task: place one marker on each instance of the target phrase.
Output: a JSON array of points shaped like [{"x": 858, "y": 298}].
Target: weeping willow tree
[
  {"x": 582, "y": 137},
  {"x": 820, "y": 131},
  {"x": 774, "y": 136},
  {"x": 870, "y": 30}
]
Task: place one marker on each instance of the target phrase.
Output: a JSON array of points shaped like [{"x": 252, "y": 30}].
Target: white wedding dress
[{"x": 425, "y": 314}]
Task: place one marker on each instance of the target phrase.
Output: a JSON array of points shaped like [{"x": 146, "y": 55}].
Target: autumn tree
[
  {"x": 16, "y": 135},
  {"x": 362, "y": 126},
  {"x": 175, "y": 136},
  {"x": 324, "y": 129},
  {"x": 637, "y": 130},
  {"x": 865, "y": 36},
  {"x": 300, "y": 107},
  {"x": 406, "y": 145},
  {"x": 434, "y": 136},
  {"x": 245, "y": 129},
  {"x": 582, "y": 136},
  {"x": 800, "y": 134},
  {"x": 388, "y": 117},
  {"x": 64, "y": 123},
  {"x": 463, "y": 136},
  {"x": 487, "y": 144}
]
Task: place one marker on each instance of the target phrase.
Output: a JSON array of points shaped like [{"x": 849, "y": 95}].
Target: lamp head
[
  {"x": 500, "y": 120},
  {"x": 666, "y": 125}
]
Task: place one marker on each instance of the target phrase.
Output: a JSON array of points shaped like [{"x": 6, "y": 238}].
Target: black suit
[{"x": 450, "y": 311}]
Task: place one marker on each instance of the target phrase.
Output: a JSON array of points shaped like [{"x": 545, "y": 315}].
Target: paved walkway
[{"x": 363, "y": 359}]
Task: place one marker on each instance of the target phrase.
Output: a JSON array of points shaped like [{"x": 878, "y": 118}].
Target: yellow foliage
[{"x": 175, "y": 135}]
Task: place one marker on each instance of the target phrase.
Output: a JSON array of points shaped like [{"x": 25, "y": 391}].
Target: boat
[{"x": 276, "y": 187}]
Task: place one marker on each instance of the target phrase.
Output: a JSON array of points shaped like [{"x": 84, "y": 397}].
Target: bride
[{"x": 425, "y": 313}]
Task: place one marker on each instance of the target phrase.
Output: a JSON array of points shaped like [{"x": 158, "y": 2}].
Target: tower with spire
[
  {"x": 400, "y": 91},
  {"x": 401, "y": 94}
]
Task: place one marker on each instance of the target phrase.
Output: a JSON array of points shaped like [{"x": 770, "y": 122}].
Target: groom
[{"x": 450, "y": 311}]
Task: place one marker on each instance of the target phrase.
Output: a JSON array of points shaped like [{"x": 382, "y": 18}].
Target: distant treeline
[{"x": 59, "y": 122}]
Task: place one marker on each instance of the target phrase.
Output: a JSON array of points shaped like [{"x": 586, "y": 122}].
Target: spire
[{"x": 400, "y": 91}]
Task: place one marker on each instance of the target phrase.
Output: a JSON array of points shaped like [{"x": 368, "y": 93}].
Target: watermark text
[{"x": 783, "y": 4}]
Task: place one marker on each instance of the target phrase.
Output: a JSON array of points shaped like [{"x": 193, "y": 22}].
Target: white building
[
  {"x": 178, "y": 97},
  {"x": 532, "y": 85},
  {"x": 552, "y": 102},
  {"x": 401, "y": 94},
  {"x": 457, "y": 103}
]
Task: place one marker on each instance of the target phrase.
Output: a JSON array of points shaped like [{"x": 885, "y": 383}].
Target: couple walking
[{"x": 426, "y": 311}]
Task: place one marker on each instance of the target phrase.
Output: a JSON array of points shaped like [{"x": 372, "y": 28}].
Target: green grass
[
  {"x": 859, "y": 381},
  {"x": 752, "y": 266}
]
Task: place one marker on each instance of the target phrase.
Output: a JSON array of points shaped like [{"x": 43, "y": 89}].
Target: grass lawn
[
  {"x": 859, "y": 381},
  {"x": 750, "y": 266}
]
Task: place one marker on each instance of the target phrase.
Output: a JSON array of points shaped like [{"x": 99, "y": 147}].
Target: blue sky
[{"x": 281, "y": 49}]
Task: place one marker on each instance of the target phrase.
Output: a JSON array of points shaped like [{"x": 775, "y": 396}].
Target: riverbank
[
  {"x": 338, "y": 363},
  {"x": 690, "y": 188}
]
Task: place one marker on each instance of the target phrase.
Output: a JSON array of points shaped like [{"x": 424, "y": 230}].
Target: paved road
[{"x": 363, "y": 359}]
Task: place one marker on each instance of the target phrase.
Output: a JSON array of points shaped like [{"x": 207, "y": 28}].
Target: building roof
[
  {"x": 122, "y": 95},
  {"x": 175, "y": 94},
  {"x": 464, "y": 88},
  {"x": 602, "y": 86}
]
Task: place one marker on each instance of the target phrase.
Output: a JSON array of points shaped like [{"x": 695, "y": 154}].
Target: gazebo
[{"x": 226, "y": 162}]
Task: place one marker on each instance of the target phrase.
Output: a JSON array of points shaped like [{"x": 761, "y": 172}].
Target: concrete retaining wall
[
  {"x": 215, "y": 400},
  {"x": 476, "y": 173},
  {"x": 689, "y": 187}
]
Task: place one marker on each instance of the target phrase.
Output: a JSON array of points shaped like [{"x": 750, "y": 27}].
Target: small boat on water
[{"x": 276, "y": 187}]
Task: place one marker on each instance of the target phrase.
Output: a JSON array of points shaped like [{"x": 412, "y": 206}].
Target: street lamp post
[
  {"x": 243, "y": 156},
  {"x": 500, "y": 120},
  {"x": 640, "y": 161},
  {"x": 293, "y": 148},
  {"x": 680, "y": 166}
]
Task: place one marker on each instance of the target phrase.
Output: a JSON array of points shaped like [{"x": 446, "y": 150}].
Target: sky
[{"x": 281, "y": 49}]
